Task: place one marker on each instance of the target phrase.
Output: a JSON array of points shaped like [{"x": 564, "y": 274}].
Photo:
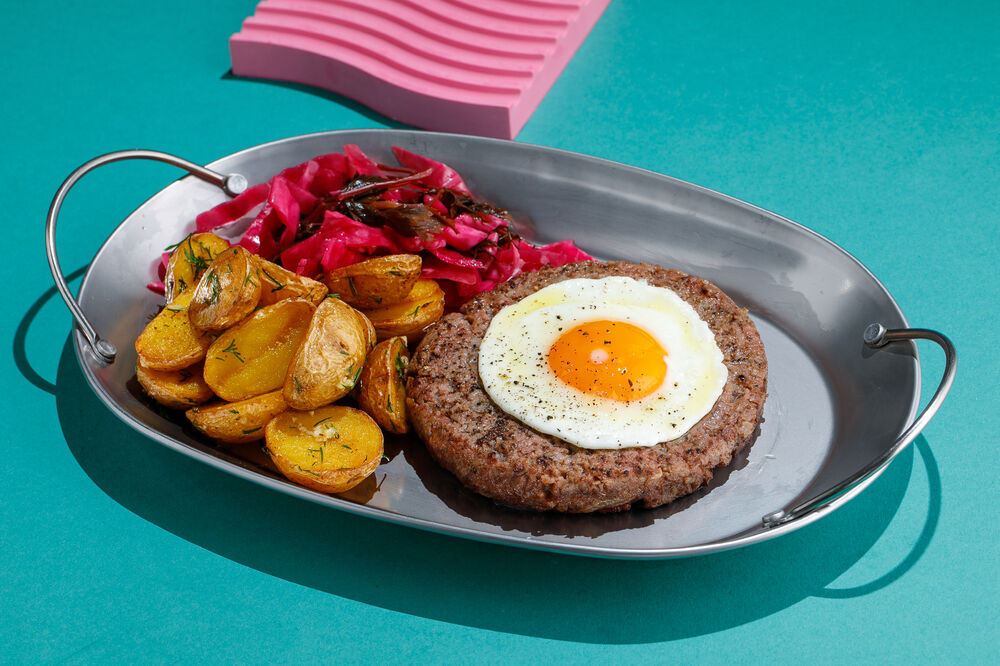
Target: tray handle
[
  {"x": 876, "y": 336},
  {"x": 231, "y": 184}
]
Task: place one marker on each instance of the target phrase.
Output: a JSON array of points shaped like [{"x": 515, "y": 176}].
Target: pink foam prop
[{"x": 448, "y": 65}]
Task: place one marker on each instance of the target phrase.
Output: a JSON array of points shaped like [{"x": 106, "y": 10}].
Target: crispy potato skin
[
  {"x": 278, "y": 284},
  {"x": 170, "y": 341},
  {"x": 423, "y": 306},
  {"x": 330, "y": 450},
  {"x": 238, "y": 422},
  {"x": 227, "y": 291},
  {"x": 188, "y": 262},
  {"x": 327, "y": 364},
  {"x": 252, "y": 357},
  {"x": 176, "y": 389},
  {"x": 375, "y": 282},
  {"x": 381, "y": 391}
]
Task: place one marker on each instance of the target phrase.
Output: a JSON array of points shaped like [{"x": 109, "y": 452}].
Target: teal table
[{"x": 874, "y": 125}]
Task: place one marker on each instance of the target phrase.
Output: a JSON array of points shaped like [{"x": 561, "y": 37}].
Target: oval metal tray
[{"x": 838, "y": 409}]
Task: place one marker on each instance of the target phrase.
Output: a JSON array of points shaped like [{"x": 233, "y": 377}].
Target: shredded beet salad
[{"x": 339, "y": 209}]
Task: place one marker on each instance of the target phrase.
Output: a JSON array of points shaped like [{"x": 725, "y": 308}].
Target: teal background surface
[{"x": 875, "y": 124}]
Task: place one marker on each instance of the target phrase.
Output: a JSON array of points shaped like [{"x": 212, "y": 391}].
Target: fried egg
[{"x": 603, "y": 363}]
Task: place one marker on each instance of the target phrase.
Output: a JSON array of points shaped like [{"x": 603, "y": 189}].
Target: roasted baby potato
[
  {"x": 227, "y": 291},
  {"x": 375, "y": 282},
  {"x": 279, "y": 283},
  {"x": 252, "y": 357},
  {"x": 327, "y": 364},
  {"x": 169, "y": 341},
  {"x": 370, "y": 335},
  {"x": 330, "y": 449},
  {"x": 188, "y": 262},
  {"x": 423, "y": 306},
  {"x": 238, "y": 422},
  {"x": 176, "y": 389},
  {"x": 381, "y": 391}
]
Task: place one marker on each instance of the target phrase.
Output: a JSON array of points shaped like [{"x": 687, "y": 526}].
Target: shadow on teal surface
[
  {"x": 469, "y": 583},
  {"x": 21, "y": 334},
  {"x": 345, "y": 102}
]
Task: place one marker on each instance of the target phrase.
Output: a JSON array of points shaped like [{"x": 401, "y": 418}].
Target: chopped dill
[
  {"x": 274, "y": 280},
  {"x": 231, "y": 349}
]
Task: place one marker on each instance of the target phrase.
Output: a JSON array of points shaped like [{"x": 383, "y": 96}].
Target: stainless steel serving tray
[{"x": 840, "y": 406}]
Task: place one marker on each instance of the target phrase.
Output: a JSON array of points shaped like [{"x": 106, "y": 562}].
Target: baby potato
[
  {"x": 423, "y": 306},
  {"x": 238, "y": 422},
  {"x": 375, "y": 282},
  {"x": 176, "y": 389},
  {"x": 279, "y": 283},
  {"x": 170, "y": 341},
  {"x": 188, "y": 262},
  {"x": 381, "y": 391},
  {"x": 327, "y": 364},
  {"x": 370, "y": 335},
  {"x": 252, "y": 357},
  {"x": 330, "y": 449},
  {"x": 227, "y": 291}
]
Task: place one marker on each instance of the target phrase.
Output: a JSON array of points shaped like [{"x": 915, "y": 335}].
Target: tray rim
[{"x": 85, "y": 359}]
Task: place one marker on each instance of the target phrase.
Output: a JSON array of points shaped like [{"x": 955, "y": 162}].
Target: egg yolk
[{"x": 611, "y": 359}]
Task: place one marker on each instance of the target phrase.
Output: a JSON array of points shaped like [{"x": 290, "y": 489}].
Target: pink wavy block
[{"x": 467, "y": 66}]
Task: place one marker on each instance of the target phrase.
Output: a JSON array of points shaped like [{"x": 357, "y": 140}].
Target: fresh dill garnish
[
  {"x": 234, "y": 411},
  {"x": 344, "y": 352},
  {"x": 176, "y": 245},
  {"x": 332, "y": 296},
  {"x": 252, "y": 430},
  {"x": 388, "y": 405},
  {"x": 298, "y": 386},
  {"x": 416, "y": 310},
  {"x": 400, "y": 366},
  {"x": 249, "y": 278},
  {"x": 385, "y": 458},
  {"x": 306, "y": 471},
  {"x": 396, "y": 273},
  {"x": 318, "y": 450},
  {"x": 274, "y": 280},
  {"x": 354, "y": 290},
  {"x": 197, "y": 262},
  {"x": 321, "y": 421},
  {"x": 213, "y": 280},
  {"x": 231, "y": 349},
  {"x": 346, "y": 446}
]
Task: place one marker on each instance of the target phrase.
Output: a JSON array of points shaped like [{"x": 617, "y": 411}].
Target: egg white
[{"x": 514, "y": 369}]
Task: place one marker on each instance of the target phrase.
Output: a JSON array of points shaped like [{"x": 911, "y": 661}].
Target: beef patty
[{"x": 496, "y": 455}]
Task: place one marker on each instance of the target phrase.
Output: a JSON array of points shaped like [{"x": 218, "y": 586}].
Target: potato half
[
  {"x": 227, "y": 291},
  {"x": 188, "y": 262},
  {"x": 330, "y": 449},
  {"x": 252, "y": 357},
  {"x": 381, "y": 391},
  {"x": 327, "y": 364},
  {"x": 278, "y": 284},
  {"x": 375, "y": 282},
  {"x": 238, "y": 422},
  {"x": 176, "y": 389},
  {"x": 170, "y": 341},
  {"x": 423, "y": 306}
]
